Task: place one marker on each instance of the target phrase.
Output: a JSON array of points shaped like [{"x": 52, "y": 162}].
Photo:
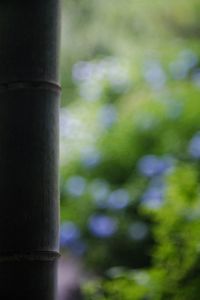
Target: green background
[{"x": 130, "y": 146}]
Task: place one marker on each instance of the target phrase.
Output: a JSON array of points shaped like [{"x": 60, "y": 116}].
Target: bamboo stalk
[{"x": 29, "y": 109}]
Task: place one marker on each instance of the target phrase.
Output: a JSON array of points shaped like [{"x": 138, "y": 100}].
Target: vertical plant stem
[{"x": 29, "y": 109}]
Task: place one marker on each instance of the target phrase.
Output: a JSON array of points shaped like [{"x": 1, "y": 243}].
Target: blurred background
[{"x": 130, "y": 150}]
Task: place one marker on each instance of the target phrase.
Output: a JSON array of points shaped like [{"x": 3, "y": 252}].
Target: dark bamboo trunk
[{"x": 29, "y": 106}]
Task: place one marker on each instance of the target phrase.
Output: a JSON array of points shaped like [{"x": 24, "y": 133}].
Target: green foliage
[
  {"x": 175, "y": 270},
  {"x": 130, "y": 147},
  {"x": 177, "y": 250}
]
